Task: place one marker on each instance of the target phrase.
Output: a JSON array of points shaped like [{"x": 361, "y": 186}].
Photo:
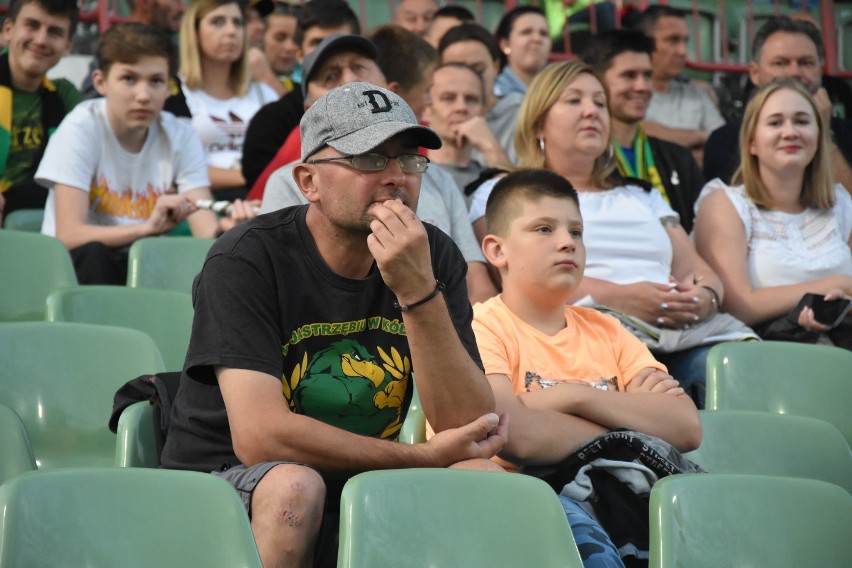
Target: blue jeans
[
  {"x": 596, "y": 549},
  {"x": 689, "y": 367}
]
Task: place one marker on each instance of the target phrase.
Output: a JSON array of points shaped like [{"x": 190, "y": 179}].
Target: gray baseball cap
[
  {"x": 356, "y": 117},
  {"x": 335, "y": 43}
]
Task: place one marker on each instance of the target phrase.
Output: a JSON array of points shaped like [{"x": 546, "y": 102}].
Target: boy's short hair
[
  {"x": 504, "y": 203},
  {"x": 325, "y": 14},
  {"x": 469, "y": 31},
  {"x": 403, "y": 56},
  {"x": 455, "y": 11},
  {"x": 131, "y": 41},
  {"x": 605, "y": 46},
  {"x": 646, "y": 22},
  {"x": 67, "y": 8}
]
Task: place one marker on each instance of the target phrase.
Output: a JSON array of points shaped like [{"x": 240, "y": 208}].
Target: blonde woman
[
  {"x": 217, "y": 92},
  {"x": 783, "y": 229}
]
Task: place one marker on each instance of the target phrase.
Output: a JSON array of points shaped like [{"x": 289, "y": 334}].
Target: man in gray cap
[
  {"x": 335, "y": 304},
  {"x": 440, "y": 202}
]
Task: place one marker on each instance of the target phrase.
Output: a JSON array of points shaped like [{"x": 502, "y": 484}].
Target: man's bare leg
[{"x": 287, "y": 508}]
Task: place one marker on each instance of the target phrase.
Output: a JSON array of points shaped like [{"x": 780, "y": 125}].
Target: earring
[
  {"x": 541, "y": 144},
  {"x": 507, "y": 51},
  {"x": 610, "y": 152}
]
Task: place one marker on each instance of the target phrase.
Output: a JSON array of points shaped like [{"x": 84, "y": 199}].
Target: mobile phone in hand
[{"x": 826, "y": 312}]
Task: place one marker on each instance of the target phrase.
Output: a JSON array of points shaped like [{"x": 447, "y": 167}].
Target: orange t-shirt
[{"x": 593, "y": 348}]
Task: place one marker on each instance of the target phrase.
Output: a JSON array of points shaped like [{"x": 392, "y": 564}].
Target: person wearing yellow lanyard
[{"x": 622, "y": 58}]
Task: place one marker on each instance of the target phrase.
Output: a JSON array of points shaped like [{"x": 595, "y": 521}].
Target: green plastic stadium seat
[
  {"x": 783, "y": 378},
  {"x": 60, "y": 379},
  {"x": 452, "y": 519},
  {"x": 727, "y": 520},
  {"x": 17, "y": 455},
  {"x": 739, "y": 441},
  {"x": 166, "y": 263},
  {"x": 24, "y": 220},
  {"x": 133, "y": 518},
  {"x": 413, "y": 430},
  {"x": 137, "y": 444},
  {"x": 32, "y": 266},
  {"x": 163, "y": 314}
]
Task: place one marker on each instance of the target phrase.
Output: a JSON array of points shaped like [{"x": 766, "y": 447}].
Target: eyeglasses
[{"x": 408, "y": 163}]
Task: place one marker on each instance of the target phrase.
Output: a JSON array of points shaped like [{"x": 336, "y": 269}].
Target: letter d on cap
[{"x": 377, "y": 107}]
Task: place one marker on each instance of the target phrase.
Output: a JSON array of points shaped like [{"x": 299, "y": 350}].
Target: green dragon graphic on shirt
[{"x": 344, "y": 385}]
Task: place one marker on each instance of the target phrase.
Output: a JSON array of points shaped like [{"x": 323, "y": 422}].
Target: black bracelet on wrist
[
  {"x": 439, "y": 287},
  {"x": 714, "y": 298}
]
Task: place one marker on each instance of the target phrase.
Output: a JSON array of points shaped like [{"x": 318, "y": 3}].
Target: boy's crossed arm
[
  {"x": 653, "y": 403},
  {"x": 538, "y": 436}
]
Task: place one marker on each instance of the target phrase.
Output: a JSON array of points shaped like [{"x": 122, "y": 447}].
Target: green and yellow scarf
[
  {"x": 644, "y": 167},
  {"x": 52, "y": 113}
]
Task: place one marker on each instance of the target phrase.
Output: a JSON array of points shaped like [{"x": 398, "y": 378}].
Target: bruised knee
[
  {"x": 290, "y": 495},
  {"x": 286, "y": 514}
]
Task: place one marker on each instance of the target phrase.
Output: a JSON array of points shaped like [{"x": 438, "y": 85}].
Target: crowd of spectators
[{"x": 554, "y": 246}]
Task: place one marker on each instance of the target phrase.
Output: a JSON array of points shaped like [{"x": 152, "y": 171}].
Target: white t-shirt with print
[
  {"x": 222, "y": 123},
  {"x": 122, "y": 186}
]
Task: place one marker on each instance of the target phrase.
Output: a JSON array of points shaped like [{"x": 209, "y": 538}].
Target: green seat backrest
[
  {"x": 136, "y": 445},
  {"x": 728, "y": 520},
  {"x": 133, "y": 518},
  {"x": 784, "y": 378},
  {"x": 60, "y": 379},
  {"x": 31, "y": 266},
  {"x": 413, "y": 430},
  {"x": 452, "y": 518},
  {"x": 739, "y": 441},
  {"x": 163, "y": 314},
  {"x": 24, "y": 220},
  {"x": 17, "y": 455},
  {"x": 166, "y": 263}
]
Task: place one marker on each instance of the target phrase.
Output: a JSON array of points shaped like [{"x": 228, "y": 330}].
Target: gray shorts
[{"x": 245, "y": 479}]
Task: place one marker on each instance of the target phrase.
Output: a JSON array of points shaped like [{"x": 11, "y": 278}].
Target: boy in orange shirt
[{"x": 564, "y": 374}]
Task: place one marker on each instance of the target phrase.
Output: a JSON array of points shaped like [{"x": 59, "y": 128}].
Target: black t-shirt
[
  {"x": 267, "y": 131},
  {"x": 681, "y": 176},
  {"x": 266, "y": 301},
  {"x": 722, "y": 152}
]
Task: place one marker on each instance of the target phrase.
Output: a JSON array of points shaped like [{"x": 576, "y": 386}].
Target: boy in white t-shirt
[
  {"x": 564, "y": 374},
  {"x": 118, "y": 169}
]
